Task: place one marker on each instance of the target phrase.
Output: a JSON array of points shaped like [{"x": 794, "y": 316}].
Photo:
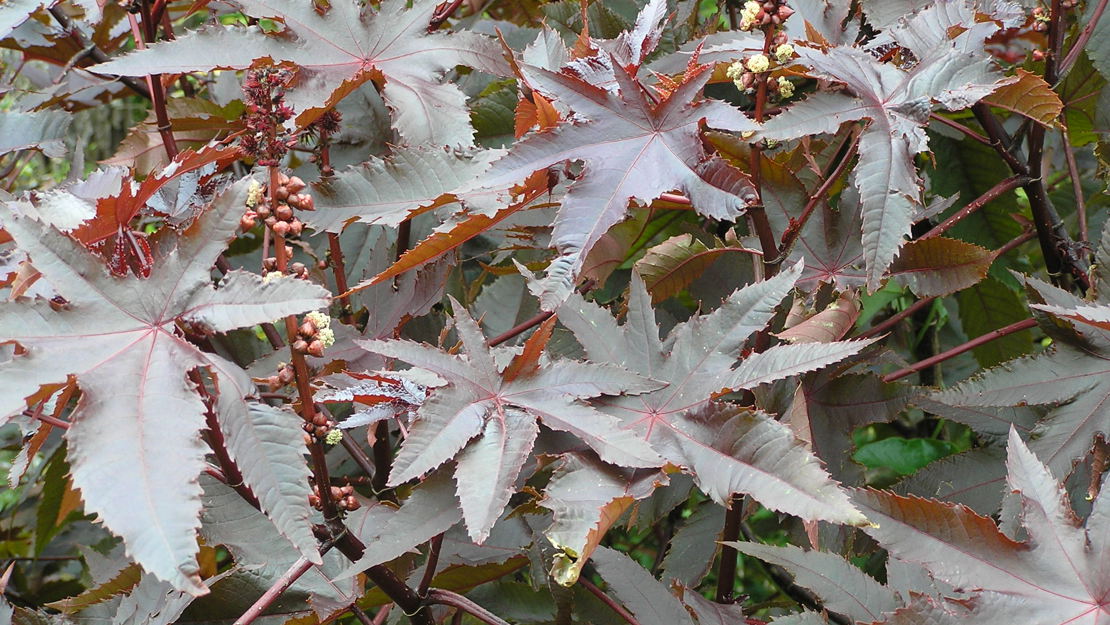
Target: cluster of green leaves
[{"x": 734, "y": 284}]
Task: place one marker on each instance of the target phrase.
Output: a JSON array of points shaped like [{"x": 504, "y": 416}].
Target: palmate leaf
[
  {"x": 502, "y": 413},
  {"x": 586, "y": 497},
  {"x": 45, "y": 130},
  {"x": 633, "y": 148},
  {"x": 337, "y": 51},
  {"x": 643, "y": 595},
  {"x": 261, "y": 558},
  {"x": 1058, "y": 576},
  {"x": 728, "y": 450},
  {"x": 842, "y": 587},
  {"x": 954, "y": 72},
  {"x": 1071, "y": 377},
  {"x": 388, "y": 191},
  {"x": 136, "y": 430}
]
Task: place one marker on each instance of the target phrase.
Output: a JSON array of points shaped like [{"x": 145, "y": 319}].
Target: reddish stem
[
  {"x": 962, "y": 128},
  {"x": 1076, "y": 182},
  {"x": 609, "y": 601},
  {"x": 959, "y": 349},
  {"x": 335, "y": 252},
  {"x": 995, "y": 192},
  {"x": 790, "y": 237},
  {"x": 157, "y": 92},
  {"x": 1084, "y": 37},
  {"x": 54, "y": 421},
  {"x": 430, "y": 566},
  {"x": 896, "y": 318},
  {"x": 446, "y": 597},
  {"x": 299, "y": 568},
  {"x": 520, "y": 328},
  {"x": 216, "y": 440}
]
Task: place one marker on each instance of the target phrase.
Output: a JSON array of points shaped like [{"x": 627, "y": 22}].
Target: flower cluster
[
  {"x": 279, "y": 218},
  {"x": 763, "y": 14},
  {"x": 323, "y": 129},
  {"x": 266, "y": 138},
  {"x": 284, "y": 376},
  {"x": 784, "y": 52},
  {"x": 747, "y": 73},
  {"x": 318, "y": 428},
  {"x": 1041, "y": 19},
  {"x": 314, "y": 335},
  {"x": 344, "y": 497}
]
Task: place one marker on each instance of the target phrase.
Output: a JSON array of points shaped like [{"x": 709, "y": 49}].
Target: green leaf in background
[
  {"x": 902, "y": 455},
  {"x": 991, "y": 305}
]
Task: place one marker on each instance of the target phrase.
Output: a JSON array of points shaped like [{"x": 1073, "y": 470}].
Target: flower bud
[{"x": 295, "y": 184}]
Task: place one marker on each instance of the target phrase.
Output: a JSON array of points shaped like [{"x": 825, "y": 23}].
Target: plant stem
[
  {"x": 362, "y": 617},
  {"x": 845, "y": 154},
  {"x": 995, "y": 192},
  {"x": 785, "y": 581},
  {"x": 157, "y": 92},
  {"x": 54, "y": 421},
  {"x": 359, "y": 456},
  {"x": 446, "y": 597},
  {"x": 896, "y": 318},
  {"x": 609, "y": 601},
  {"x": 962, "y": 128},
  {"x": 1076, "y": 182},
  {"x": 1056, "y": 245},
  {"x": 999, "y": 139},
  {"x": 216, "y": 440},
  {"x": 335, "y": 253},
  {"x": 383, "y": 462},
  {"x": 441, "y": 16},
  {"x": 726, "y": 571},
  {"x": 299, "y": 568},
  {"x": 1081, "y": 41},
  {"x": 430, "y": 566},
  {"x": 521, "y": 328},
  {"x": 383, "y": 449},
  {"x": 959, "y": 349},
  {"x": 1027, "y": 235},
  {"x": 94, "y": 52}
]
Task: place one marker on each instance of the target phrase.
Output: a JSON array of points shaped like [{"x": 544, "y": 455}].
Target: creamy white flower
[
  {"x": 254, "y": 194},
  {"x": 758, "y": 63},
  {"x": 326, "y": 336},
  {"x": 334, "y": 436},
  {"x": 318, "y": 319},
  {"x": 784, "y": 53},
  {"x": 786, "y": 88}
]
